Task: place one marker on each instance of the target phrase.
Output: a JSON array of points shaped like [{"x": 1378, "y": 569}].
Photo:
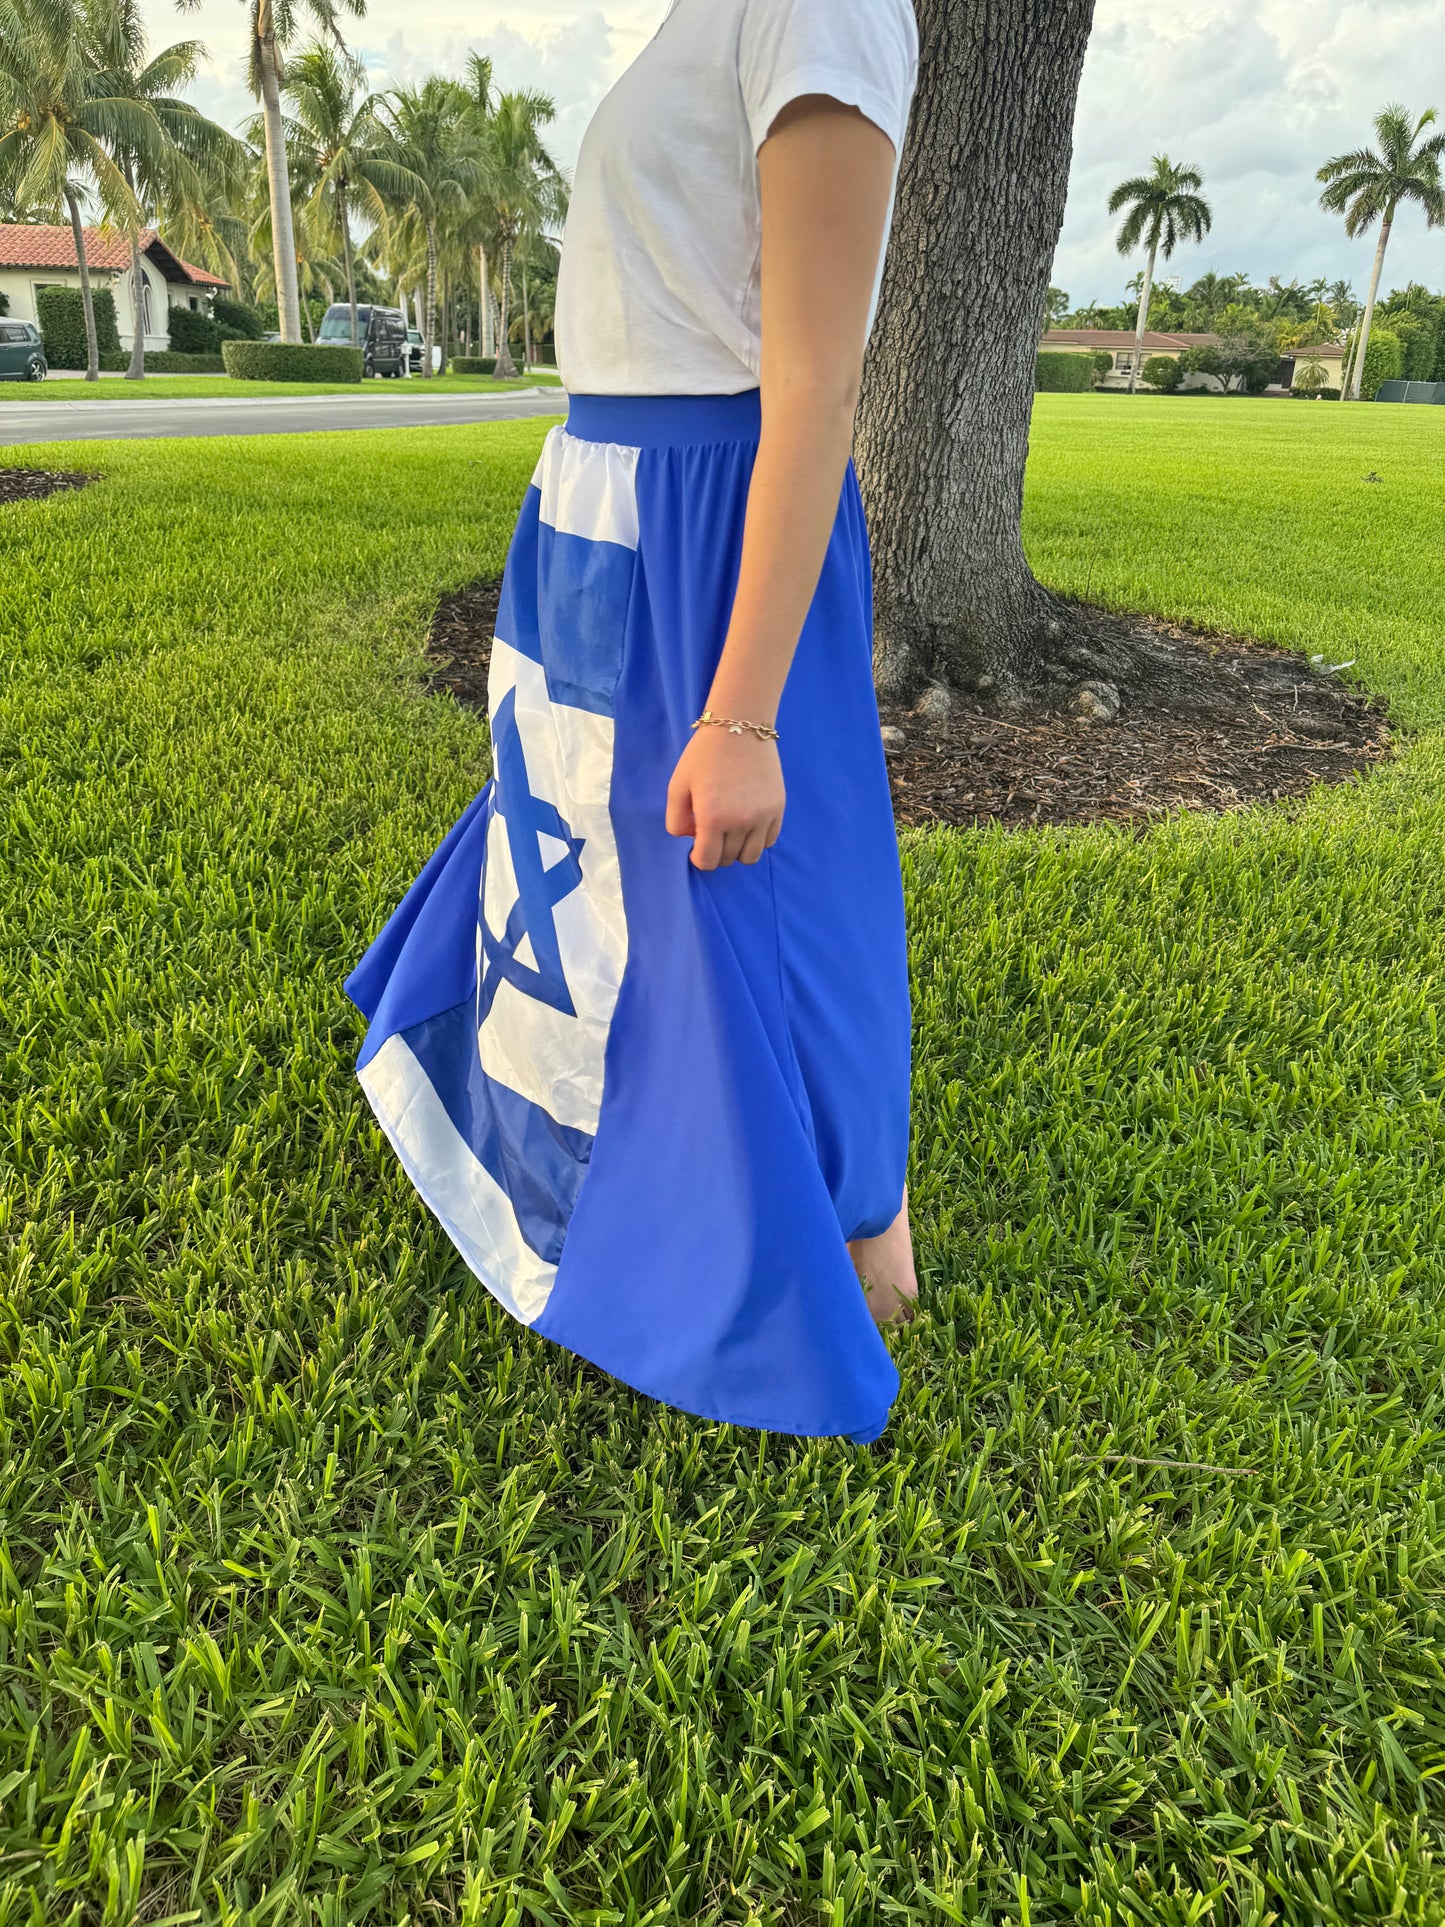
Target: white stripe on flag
[
  {"x": 588, "y": 488},
  {"x": 472, "y": 1207}
]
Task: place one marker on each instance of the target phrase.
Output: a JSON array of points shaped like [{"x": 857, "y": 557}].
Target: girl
[{"x": 639, "y": 1032}]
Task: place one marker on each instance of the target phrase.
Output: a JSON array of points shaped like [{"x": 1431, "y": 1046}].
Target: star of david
[{"x": 541, "y": 885}]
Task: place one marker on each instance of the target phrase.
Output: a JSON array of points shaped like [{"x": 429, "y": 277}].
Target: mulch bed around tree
[
  {"x": 34, "y": 484},
  {"x": 1289, "y": 729}
]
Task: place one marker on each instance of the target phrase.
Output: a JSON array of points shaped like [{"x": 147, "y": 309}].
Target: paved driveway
[{"x": 104, "y": 421}]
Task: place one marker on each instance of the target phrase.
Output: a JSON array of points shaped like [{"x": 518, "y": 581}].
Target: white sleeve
[{"x": 862, "y": 52}]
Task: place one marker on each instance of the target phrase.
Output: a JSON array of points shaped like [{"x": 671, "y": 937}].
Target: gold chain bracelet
[{"x": 735, "y": 725}]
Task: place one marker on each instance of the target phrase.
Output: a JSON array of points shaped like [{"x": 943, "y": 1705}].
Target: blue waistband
[{"x": 663, "y": 421}]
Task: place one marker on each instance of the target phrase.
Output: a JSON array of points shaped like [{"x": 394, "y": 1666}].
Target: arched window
[{"x": 140, "y": 302}]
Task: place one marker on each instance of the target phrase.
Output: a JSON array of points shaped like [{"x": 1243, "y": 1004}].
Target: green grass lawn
[
  {"x": 197, "y": 387},
  {"x": 328, "y": 1595}
]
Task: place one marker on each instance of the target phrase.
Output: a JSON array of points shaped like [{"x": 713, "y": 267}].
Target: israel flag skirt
[{"x": 649, "y": 1104}]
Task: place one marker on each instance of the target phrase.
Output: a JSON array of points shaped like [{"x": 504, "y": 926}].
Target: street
[{"x": 90, "y": 421}]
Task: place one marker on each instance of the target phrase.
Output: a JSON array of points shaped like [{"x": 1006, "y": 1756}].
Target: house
[
  {"x": 1119, "y": 343},
  {"x": 34, "y": 257},
  {"x": 1329, "y": 354}
]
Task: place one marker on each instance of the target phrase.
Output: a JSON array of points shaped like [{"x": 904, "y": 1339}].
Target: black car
[{"x": 380, "y": 334}]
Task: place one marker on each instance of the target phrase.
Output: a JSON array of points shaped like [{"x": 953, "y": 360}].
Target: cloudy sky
[{"x": 1255, "y": 97}]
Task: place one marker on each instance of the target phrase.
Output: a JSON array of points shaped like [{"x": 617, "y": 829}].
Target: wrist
[
  {"x": 733, "y": 723},
  {"x": 759, "y": 706}
]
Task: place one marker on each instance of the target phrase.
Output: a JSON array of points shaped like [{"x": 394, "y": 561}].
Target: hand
[{"x": 727, "y": 795}]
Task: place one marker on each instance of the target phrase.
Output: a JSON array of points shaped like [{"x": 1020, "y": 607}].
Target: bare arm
[{"x": 824, "y": 173}]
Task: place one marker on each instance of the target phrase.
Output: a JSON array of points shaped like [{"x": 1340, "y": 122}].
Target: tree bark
[
  {"x": 1367, "y": 320},
  {"x": 446, "y": 315},
  {"x": 505, "y": 365},
  {"x": 278, "y": 177},
  {"x": 948, "y": 381},
  {"x": 431, "y": 300},
  {"x": 137, "y": 368},
  {"x": 87, "y": 303},
  {"x": 484, "y": 298},
  {"x": 343, "y": 217},
  {"x": 526, "y": 324},
  {"x": 1141, "y": 324}
]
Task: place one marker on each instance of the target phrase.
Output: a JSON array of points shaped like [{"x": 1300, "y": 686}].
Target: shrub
[
  {"x": 1329, "y": 394},
  {"x": 1103, "y": 363},
  {"x": 1163, "y": 372},
  {"x": 290, "y": 361},
  {"x": 1056, "y": 372},
  {"x": 236, "y": 321},
  {"x": 193, "y": 333},
  {"x": 166, "y": 361},
  {"x": 1384, "y": 359},
  {"x": 474, "y": 364},
  {"x": 4, "y": 302},
  {"x": 62, "y": 327}
]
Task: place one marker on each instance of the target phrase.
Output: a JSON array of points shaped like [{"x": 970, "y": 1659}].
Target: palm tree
[
  {"x": 525, "y": 188},
  {"x": 1165, "y": 207},
  {"x": 1343, "y": 302},
  {"x": 1369, "y": 186},
  {"x": 273, "y": 26},
  {"x": 62, "y": 121},
  {"x": 339, "y": 136},
  {"x": 430, "y": 132},
  {"x": 168, "y": 151},
  {"x": 1211, "y": 294}
]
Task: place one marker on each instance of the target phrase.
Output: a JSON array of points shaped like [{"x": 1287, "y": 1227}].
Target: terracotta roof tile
[
  {"x": 1123, "y": 338},
  {"x": 32, "y": 245}
]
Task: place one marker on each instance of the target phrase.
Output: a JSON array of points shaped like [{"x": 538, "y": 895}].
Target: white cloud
[{"x": 1256, "y": 96}]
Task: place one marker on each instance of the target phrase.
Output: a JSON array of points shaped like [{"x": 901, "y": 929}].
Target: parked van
[
  {"x": 380, "y": 334},
  {"x": 22, "y": 353}
]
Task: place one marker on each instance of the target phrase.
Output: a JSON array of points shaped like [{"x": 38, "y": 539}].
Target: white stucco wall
[{"x": 21, "y": 284}]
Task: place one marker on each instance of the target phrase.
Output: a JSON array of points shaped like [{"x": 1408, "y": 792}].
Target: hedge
[
  {"x": 474, "y": 364},
  {"x": 236, "y": 321},
  {"x": 193, "y": 333},
  {"x": 62, "y": 326},
  {"x": 167, "y": 361},
  {"x": 1058, "y": 372},
  {"x": 290, "y": 361}
]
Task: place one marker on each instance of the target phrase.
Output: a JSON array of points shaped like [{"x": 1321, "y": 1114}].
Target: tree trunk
[
  {"x": 429, "y": 332},
  {"x": 137, "y": 368},
  {"x": 526, "y": 325},
  {"x": 505, "y": 364},
  {"x": 87, "y": 304},
  {"x": 1347, "y": 373},
  {"x": 948, "y": 381},
  {"x": 484, "y": 296},
  {"x": 1369, "y": 315},
  {"x": 446, "y": 333},
  {"x": 1141, "y": 324},
  {"x": 343, "y": 216},
  {"x": 278, "y": 177}
]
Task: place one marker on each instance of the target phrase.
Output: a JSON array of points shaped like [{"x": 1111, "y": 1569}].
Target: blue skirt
[{"x": 649, "y": 1104}]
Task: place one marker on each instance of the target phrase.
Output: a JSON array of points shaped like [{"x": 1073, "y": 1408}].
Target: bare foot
[{"x": 885, "y": 1267}]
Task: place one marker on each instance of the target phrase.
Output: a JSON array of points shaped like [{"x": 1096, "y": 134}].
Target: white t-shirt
[{"x": 658, "y": 292}]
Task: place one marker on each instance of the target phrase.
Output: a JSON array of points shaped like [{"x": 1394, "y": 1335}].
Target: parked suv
[
  {"x": 22, "y": 353},
  {"x": 380, "y": 334}
]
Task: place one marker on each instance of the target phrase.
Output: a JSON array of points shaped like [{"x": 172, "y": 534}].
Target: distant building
[
  {"x": 1119, "y": 344},
  {"x": 1329, "y": 354},
  {"x": 33, "y": 257}
]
